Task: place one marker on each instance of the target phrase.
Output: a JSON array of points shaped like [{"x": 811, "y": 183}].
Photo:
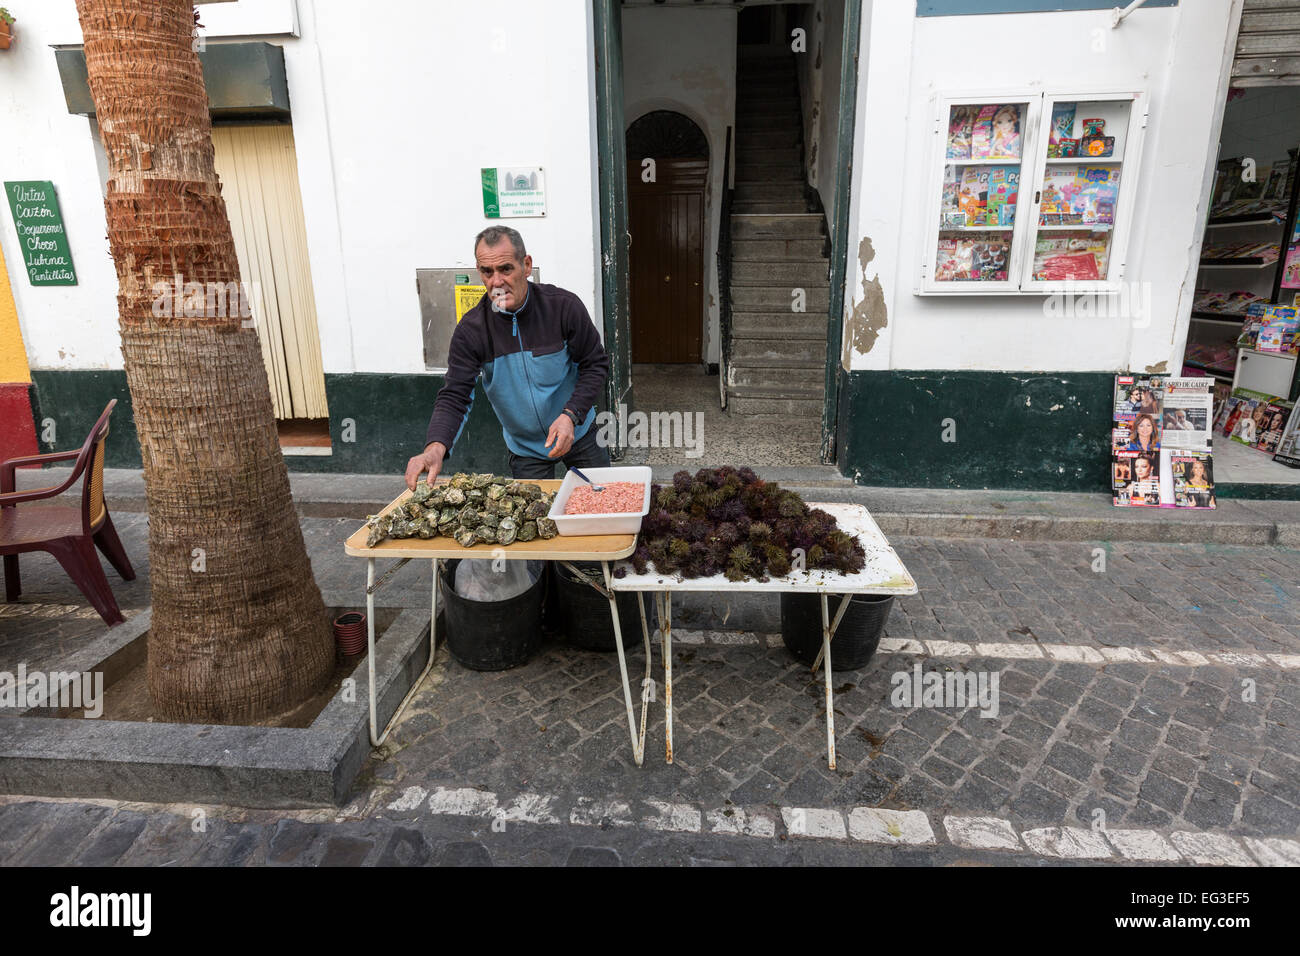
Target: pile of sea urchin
[{"x": 729, "y": 521}]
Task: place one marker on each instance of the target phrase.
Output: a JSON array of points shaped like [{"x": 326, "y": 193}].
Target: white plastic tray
[{"x": 625, "y": 522}]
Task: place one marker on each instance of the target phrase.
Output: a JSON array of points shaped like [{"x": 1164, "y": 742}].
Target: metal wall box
[
  {"x": 243, "y": 79},
  {"x": 437, "y": 291}
]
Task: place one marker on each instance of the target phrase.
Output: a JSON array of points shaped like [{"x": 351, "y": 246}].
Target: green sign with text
[{"x": 41, "y": 235}]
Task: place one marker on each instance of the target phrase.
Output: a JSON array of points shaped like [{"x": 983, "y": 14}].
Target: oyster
[
  {"x": 454, "y": 496},
  {"x": 460, "y": 481},
  {"x": 507, "y": 531},
  {"x": 490, "y": 520},
  {"x": 422, "y": 492},
  {"x": 546, "y": 528},
  {"x": 482, "y": 481},
  {"x": 378, "y": 529},
  {"x": 527, "y": 531},
  {"x": 402, "y": 527},
  {"x": 496, "y": 492},
  {"x": 485, "y": 534},
  {"x": 414, "y": 510},
  {"x": 537, "y": 509},
  {"x": 428, "y": 526},
  {"x": 448, "y": 515},
  {"x": 499, "y": 507},
  {"x": 465, "y": 537},
  {"x": 524, "y": 490},
  {"x": 436, "y": 497},
  {"x": 469, "y": 517}
]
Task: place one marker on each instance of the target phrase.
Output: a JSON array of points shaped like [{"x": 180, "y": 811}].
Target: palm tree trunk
[{"x": 239, "y": 629}]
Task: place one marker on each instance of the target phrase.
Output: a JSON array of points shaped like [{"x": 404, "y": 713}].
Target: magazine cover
[
  {"x": 1246, "y": 422},
  {"x": 1276, "y": 416},
  {"x": 960, "y": 122},
  {"x": 1278, "y": 330},
  {"x": 973, "y": 197},
  {"x": 1193, "y": 479},
  {"x": 1288, "y": 448},
  {"x": 1143, "y": 491},
  {"x": 1136, "y": 440},
  {"x": 1187, "y": 414},
  {"x": 1005, "y": 142},
  {"x": 1062, "y": 123},
  {"x": 1060, "y": 257},
  {"x": 1004, "y": 188},
  {"x": 982, "y": 134},
  {"x": 1059, "y": 186}
]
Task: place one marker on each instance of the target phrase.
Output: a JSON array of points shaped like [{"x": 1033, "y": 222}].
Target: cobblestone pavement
[{"x": 1147, "y": 693}]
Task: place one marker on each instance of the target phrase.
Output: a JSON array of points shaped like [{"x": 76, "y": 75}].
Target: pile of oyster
[{"x": 473, "y": 509}]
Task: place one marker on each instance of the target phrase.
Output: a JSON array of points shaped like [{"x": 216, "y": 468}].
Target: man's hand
[
  {"x": 429, "y": 460},
  {"x": 561, "y": 436}
]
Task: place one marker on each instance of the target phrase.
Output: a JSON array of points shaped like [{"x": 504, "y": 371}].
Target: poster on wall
[
  {"x": 513, "y": 192},
  {"x": 41, "y": 235}
]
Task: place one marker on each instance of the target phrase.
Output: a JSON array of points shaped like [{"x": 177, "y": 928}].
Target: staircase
[{"x": 778, "y": 243}]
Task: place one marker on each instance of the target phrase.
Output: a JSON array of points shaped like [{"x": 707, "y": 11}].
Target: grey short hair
[{"x": 494, "y": 234}]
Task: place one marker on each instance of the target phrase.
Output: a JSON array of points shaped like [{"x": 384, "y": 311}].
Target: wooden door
[
  {"x": 258, "y": 167},
  {"x": 667, "y": 225}
]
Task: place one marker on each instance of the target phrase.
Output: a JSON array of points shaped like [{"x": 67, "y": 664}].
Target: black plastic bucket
[
  {"x": 855, "y": 639},
  {"x": 491, "y": 635},
  {"x": 581, "y": 613}
]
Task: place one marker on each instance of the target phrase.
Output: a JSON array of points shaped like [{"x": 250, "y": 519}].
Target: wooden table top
[{"x": 594, "y": 547}]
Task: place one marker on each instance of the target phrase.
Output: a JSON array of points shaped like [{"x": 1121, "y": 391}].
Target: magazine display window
[{"x": 1031, "y": 193}]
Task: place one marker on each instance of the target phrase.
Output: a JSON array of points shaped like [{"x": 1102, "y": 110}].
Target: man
[{"x": 542, "y": 364}]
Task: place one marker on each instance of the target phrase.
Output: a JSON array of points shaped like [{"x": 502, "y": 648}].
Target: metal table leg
[
  {"x": 371, "y": 587},
  {"x": 638, "y": 746},
  {"x": 828, "y": 631},
  {"x": 665, "y": 605}
]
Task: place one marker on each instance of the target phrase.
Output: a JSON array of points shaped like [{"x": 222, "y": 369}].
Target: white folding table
[{"x": 883, "y": 573}]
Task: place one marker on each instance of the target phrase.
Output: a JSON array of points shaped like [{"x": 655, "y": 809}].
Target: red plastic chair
[{"x": 69, "y": 532}]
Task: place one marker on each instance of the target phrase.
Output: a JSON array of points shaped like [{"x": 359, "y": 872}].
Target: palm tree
[{"x": 239, "y": 629}]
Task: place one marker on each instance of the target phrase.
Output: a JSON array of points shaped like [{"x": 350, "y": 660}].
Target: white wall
[
  {"x": 390, "y": 114},
  {"x": 1173, "y": 55},
  {"x": 684, "y": 59},
  {"x": 819, "y": 87}
]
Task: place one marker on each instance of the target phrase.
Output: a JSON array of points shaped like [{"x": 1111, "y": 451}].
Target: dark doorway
[{"x": 667, "y": 174}]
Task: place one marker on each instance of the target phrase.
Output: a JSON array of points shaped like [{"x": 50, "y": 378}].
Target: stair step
[
  {"x": 803, "y": 274},
  {"x": 779, "y": 353},
  {"x": 779, "y": 298},
  {"x": 767, "y": 250},
  {"x": 750, "y": 141},
  {"x": 805, "y": 383},
  {"x": 809, "y": 326},
  {"x": 769, "y": 192},
  {"x": 740, "y": 402},
  {"x": 768, "y": 208},
  {"x": 755, "y": 173},
  {"x": 807, "y": 225},
  {"x": 748, "y": 152},
  {"x": 760, "y": 120},
  {"x": 760, "y": 103}
]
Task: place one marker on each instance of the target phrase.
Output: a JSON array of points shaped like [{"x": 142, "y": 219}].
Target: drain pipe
[{"x": 1117, "y": 15}]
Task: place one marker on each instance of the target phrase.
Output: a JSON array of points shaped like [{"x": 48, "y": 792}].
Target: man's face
[{"x": 502, "y": 272}]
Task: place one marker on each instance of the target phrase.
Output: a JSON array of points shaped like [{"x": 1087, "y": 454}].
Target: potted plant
[{"x": 6, "y": 29}]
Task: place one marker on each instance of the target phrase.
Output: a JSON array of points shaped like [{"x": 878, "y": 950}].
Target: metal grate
[{"x": 1268, "y": 44}]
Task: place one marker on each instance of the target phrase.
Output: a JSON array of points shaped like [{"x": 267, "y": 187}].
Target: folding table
[
  {"x": 605, "y": 549},
  {"x": 883, "y": 573}
]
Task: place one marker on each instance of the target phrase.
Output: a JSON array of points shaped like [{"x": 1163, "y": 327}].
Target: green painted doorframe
[
  {"x": 840, "y": 211},
  {"x": 612, "y": 166},
  {"x": 612, "y": 169}
]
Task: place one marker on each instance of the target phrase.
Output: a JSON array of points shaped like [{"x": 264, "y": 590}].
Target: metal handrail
[{"x": 724, "y": 273}]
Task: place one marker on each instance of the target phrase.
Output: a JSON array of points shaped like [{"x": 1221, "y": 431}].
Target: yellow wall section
[{"x": 13, "y": 357}]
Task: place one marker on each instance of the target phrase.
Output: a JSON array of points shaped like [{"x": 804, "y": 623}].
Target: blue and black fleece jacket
[{"x": 535, "y": 363}]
